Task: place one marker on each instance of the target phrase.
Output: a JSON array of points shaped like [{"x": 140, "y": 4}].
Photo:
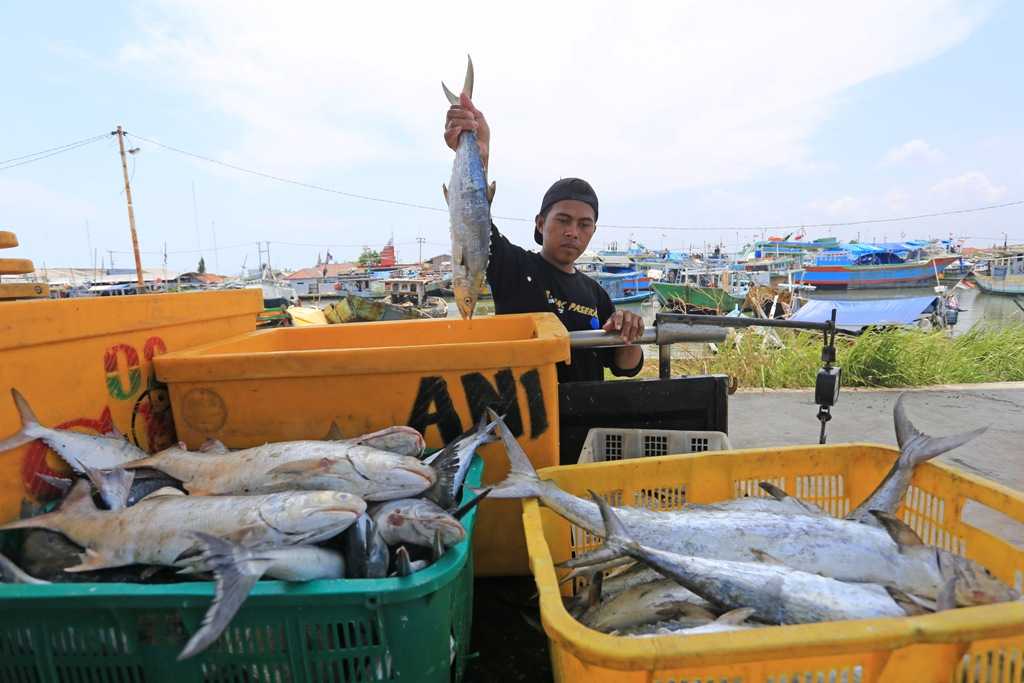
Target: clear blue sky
[{"x": 734, "y": 114}]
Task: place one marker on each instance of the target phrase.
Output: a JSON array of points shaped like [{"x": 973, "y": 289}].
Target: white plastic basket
[{"x": 611, "y": 443}]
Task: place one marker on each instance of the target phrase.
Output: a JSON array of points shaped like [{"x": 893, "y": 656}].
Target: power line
[
  {"x": 47, "y": 153},
  {"x": 290, "y": 181},
  {"x": 708, "y": 228}
]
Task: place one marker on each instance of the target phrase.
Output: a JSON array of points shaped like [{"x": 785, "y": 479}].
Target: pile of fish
[
  {"x": 759, "y": 561},
  {"x": 366, "y": 507}
]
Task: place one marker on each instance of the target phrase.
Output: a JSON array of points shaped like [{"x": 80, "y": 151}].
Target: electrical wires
[{"x": 47, "y": 153}]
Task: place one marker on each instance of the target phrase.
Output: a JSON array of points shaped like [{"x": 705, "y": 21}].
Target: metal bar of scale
[{"x": 673, "y": 328}]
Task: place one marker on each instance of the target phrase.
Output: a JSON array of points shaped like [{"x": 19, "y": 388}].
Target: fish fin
[
  {"x": 452, "y": 97},
  {"x": 62, "y": 484},
  {"x": 780, "y": 495},
  {"x": 115, "y": 432},
  {"x": 92, "y": 560},
  {"x": 444, "y": 191},
  {"x": 307, "y": 466},
  {"x": 233, "y": 584},
  {"x": 152, "y": 461},
  {"x": 149, "y": 572},
  {"x": 911, "y": 604},
  {"x": 460, "y": 511},
  {"x": 213, "y": 446},
  {"x": 916, "y": 446},
  {"x": 947, "y": 596},
  {"x": 773, "y": 490},
  {"x": 616, "y": 541},
  {"x": 30, "y": 426},
  {"x": 736, "y": 616},
  {"x": 170, "y": 491},
  {"x": 762, "y": 556},
  {"x": 522, "y": 480},
  {"x": 12, "y": 573},
  {"x": 437, "y": 546},
  {"x": 334, "y": 433},
  {"x": 467, "y": 85},
  {"x": 113, "y": 485},
  {"x": 403, "y": 566},
  {"x": 594, "y": 589},
  {"x": 898, "y": 530},
  {"x": 491, "y": 189}
]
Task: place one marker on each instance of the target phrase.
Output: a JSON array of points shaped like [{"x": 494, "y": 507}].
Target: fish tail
[
  {"x": 916, "y": 446},
  {"x": 232, "y": 587},
  {"x": 522, "y": 480},
  {"x": 617, "y": 542},
  {"x": 30, "y": 427},
  {"x": 467, "y": 86}
]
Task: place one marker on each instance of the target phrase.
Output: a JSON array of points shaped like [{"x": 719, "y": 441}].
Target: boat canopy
[{"x": 857, "y": 314}]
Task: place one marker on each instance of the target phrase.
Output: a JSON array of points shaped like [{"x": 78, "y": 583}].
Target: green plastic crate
[{"x": 415, "y": 628}]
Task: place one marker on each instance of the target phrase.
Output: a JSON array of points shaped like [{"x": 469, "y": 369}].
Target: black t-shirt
[{"x": 523, "y": 282}]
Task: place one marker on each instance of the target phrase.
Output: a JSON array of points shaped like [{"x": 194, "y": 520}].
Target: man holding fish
[{"x": 524, "y": 281}]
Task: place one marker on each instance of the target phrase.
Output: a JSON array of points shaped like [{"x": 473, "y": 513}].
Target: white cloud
[
  {"x": 914, "y": 150},
  {"x": 973, "y": 186},
  {"x": 663, "y": 97},
  {"x": 897, "y": 200},
  {"x": 843, "y": 207}
]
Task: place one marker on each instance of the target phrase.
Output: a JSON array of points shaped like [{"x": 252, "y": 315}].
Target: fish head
[
  {"x": 388, "y": 476},
  {"x": 976, "y": 585},
  {"x": 426, "y": 519},
  {"x": 302, "y": 513},
  {"x": 467, "y": 291}
]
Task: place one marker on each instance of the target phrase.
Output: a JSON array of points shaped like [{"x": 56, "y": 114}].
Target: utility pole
[
  {"x": 140, "y": 286},
  {"x": 421, "y": 240}
]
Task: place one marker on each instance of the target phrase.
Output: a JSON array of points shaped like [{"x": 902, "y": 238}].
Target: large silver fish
[
  {"x": 415, "y": 521},
  {"x": 837, "y": 548},
  {"x": 159, "y": 528},
  {"x": 469, "y": 209},
  {"x": 237, "y": 568},
  {"x": 78, "y": 450},
  {"x": 659, "y": 600},
  {"x": 778, "y": 594},
  {"x": 345, "y": 466}
]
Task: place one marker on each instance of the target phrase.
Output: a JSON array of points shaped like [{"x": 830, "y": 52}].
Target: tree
[
  {"x": 369, "y": 257},
  {"x": 201, "y": 268}
]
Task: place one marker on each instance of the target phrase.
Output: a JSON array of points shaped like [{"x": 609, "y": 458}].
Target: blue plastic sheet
[{"x": 858, "y": 314}]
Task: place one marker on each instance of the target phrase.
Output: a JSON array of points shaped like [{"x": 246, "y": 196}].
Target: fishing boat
[
  {"x": 876, "y": 266},
  {"x": 412, "y": 293},
  {"x": 1005, "y": 275},
  {"x": 623, "y": 288},
  {"x": 709, "y": 291}
]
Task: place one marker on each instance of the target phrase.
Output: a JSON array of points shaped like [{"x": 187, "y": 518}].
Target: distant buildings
[{"x": 320, "y": 278}]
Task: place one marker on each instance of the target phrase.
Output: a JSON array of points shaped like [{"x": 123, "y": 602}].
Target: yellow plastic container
[
  {"x": 971, "y": 644},
  {"x": 86, "y": 364},
  {"x": 436, "y": 375}
]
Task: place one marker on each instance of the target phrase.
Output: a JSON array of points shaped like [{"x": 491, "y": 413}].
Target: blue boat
[
  {"x": 867, "y": 266},
  {"x": 624, "y": 288}
]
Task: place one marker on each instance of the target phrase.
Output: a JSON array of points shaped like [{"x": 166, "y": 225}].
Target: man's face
[{"x": 567, "y": 230}]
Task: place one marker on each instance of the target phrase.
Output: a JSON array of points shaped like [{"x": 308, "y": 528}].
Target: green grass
[{"x": 891, "y": 358}]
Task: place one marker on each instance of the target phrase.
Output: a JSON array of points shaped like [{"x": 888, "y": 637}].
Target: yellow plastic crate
[{"x": 965, "y": 645}]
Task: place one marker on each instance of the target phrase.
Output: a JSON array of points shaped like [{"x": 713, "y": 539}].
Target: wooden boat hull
[
  {"x": 712, "y": 298},
  {"x": 632, "y": 298},
  {"x": 1008, "y": 284},
  {"x": 913, "y": 274}
]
